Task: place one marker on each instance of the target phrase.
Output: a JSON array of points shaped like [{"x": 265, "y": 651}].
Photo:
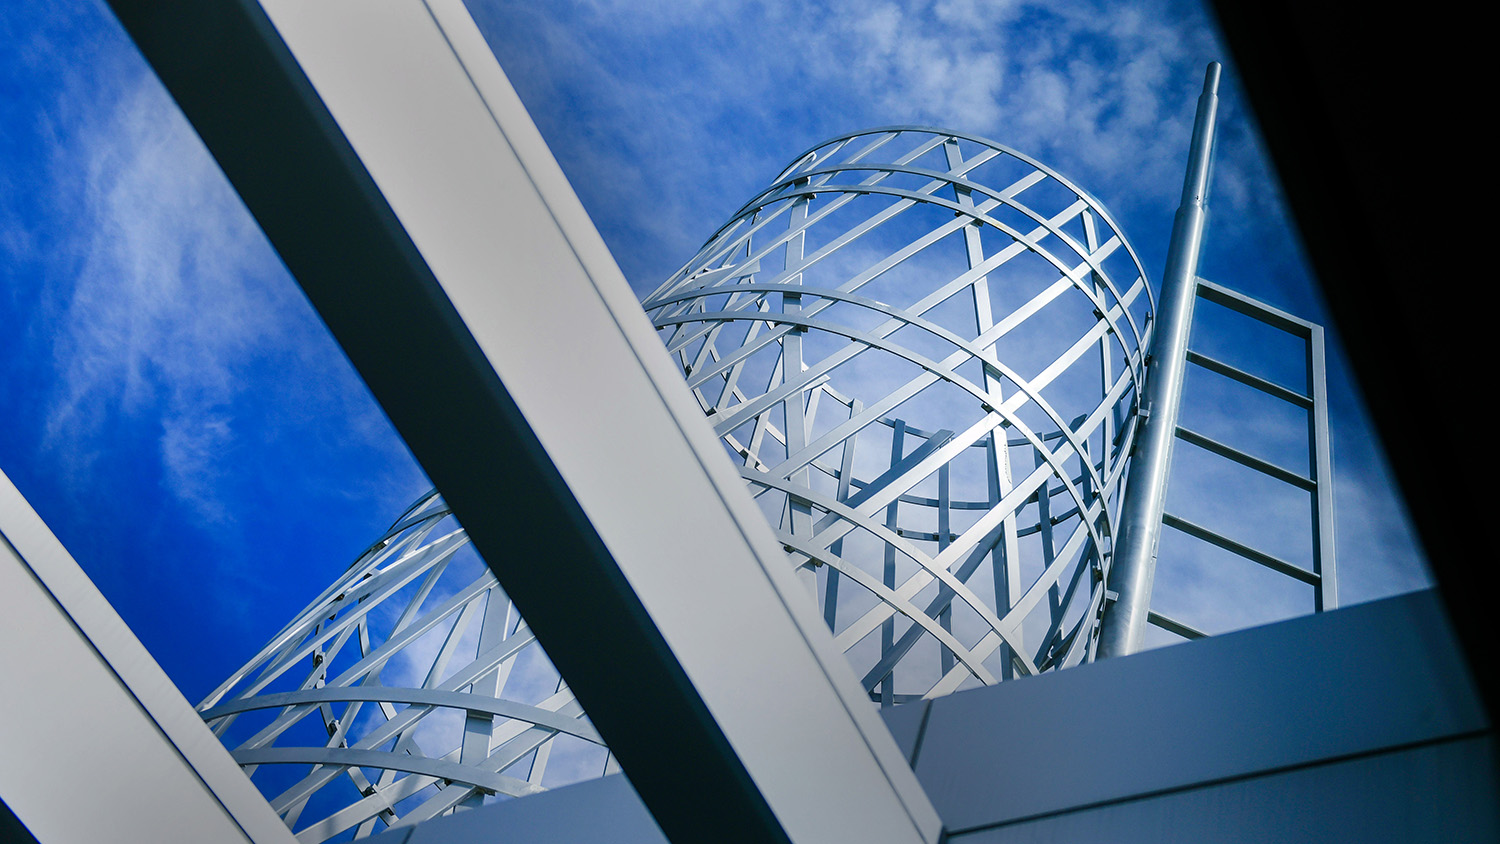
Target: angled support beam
[
  {"x": 1275, "y": 564},
  {"x": 399, "y": 177},
  {"x": 1172, "y": 625},
  {"x": 87, "y": 710}
]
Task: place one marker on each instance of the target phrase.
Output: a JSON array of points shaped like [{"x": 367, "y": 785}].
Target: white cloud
[{"x": 178, "y": 308}]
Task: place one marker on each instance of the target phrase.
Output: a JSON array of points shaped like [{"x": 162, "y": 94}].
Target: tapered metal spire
[{"x": 1124, "y": 624}]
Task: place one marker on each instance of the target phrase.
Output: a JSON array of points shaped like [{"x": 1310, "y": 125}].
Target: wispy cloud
[
  {"x": 162, "y": 241},
  {"x": 693, "y": 109},
  {"x": 179, "y": 311}
]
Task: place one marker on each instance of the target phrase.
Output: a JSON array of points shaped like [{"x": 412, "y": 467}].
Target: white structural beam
[
  {"x": 96, "y": 744},
  {"x": 394, "y": 168}
]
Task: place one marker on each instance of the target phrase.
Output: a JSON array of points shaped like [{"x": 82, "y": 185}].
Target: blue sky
[{"x": 179, "y": 416}]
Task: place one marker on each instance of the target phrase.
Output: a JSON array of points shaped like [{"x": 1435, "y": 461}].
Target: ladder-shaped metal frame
[{"x": 1322, "y": 577}]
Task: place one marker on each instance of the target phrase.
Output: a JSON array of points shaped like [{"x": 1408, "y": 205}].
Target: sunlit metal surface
[{"x": 924, "y": 349}]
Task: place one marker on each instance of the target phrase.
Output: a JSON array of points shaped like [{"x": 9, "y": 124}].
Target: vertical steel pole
[
  {"x": 1124, "y": 624},
  {"x": 1326, "y": 596}
]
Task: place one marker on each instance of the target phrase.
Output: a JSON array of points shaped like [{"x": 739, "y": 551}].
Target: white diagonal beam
[{"x": 398, "y": 175}]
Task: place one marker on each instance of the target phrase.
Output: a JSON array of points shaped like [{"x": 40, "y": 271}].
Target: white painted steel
[
  {"x": 425, "y": 106},
  {"x": 98, "y": 745}
]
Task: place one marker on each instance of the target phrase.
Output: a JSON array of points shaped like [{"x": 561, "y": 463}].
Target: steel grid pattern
[
  {"x": 923, "y": 349},
  {"x": 969, "y": 358},
  {"x": 1322, "y": 572},
  {"x": 473, "y": 707}
]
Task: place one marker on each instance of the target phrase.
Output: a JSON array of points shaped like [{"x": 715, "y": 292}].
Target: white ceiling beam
[{"x": 98, "y": 744}]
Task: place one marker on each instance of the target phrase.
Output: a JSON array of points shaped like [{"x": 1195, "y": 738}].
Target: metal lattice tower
[
  {"x": 928, "y": 354},
  {"x": 411, "y": 678},
  {"x": 924, "y": 348}
]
